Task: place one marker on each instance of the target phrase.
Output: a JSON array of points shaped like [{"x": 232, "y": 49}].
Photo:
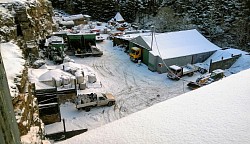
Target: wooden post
[
  {"x": 210, "y": 65},
  {"x": 64, "y": 128}
]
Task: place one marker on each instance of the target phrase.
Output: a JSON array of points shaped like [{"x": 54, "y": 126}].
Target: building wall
[
  {"x": 9, "y": 133},
  {"x": 180, "y": 61},
  {"x": 152, "y": 62},
  {"x": 197, "y": 58}
]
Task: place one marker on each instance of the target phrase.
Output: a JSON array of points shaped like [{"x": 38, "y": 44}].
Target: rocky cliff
[{"x": 24, "y": 22}]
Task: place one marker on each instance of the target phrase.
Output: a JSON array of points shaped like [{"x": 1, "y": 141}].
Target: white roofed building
[
  {"x": 118, "y": 18},
  {"x": 175, "y": 48}
]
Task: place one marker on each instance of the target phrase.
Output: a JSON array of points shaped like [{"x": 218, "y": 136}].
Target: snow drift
[{"x": 217, "y": 113}]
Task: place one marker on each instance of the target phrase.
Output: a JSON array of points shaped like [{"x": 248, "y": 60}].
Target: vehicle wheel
[
  {"x": 78, "y": 108},
  {"x": 191, "y": 74},
  {"x": 110, "y": 103},
  {"x": 87, "y": 109},
  {"x": 202, "y": 71},
  {"x": 177, "y": 78}
]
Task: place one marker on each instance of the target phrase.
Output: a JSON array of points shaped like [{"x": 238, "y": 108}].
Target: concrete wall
[
  {"x": 9, "y": 133},
  {"x": 223, "y": 64}
]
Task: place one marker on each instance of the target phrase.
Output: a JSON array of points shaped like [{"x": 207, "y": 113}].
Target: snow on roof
[
  {"x": 13, "y": 62},
  {"x": 72, "y": 17},
  {"x": 67, "y": 23},
  {"x": 55, "y": 40},
  {"x": 87, "y": 16},
  {"x": 178, "y": 44},
  {"x": 216, "y": 113},
  {"x": 132, "y": 36},
  {"x": 56, "y": 73},
  {"x": 175, "y": 67},
  {"x": 118, "y": 17}
]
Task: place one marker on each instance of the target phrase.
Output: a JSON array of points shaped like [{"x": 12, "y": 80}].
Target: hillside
[{"x": 224, "y": 23}]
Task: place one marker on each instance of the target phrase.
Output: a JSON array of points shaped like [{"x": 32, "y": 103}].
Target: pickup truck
[
  {"x": 87, "y": 101},
  {"x": 175, "y": 72}
]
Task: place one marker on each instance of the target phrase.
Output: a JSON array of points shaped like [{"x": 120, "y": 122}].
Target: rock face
[{"x": 25, "y": 23}]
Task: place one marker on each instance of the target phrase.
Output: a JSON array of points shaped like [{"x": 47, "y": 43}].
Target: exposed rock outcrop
[{"x": 25, "y": 23}]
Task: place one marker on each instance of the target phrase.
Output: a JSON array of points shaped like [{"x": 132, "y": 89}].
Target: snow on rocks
[
  {"x": 33, "y": 137},
  {"x": 13, "y": 63}
]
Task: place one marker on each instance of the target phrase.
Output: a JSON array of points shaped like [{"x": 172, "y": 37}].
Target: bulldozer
[{"x": 207, "y": 79}]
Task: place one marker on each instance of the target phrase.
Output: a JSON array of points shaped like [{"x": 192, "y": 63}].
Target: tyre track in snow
[{"x": 136, "y": 90}]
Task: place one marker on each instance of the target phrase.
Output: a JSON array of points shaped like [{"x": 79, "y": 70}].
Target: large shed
[{"x": 174, "y": 48}]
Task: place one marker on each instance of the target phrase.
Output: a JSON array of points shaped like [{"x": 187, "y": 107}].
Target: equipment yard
[{"x": 133, "y": 86}]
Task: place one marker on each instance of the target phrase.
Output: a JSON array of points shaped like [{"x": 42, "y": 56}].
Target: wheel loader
[{"x": 207, "y": 79}]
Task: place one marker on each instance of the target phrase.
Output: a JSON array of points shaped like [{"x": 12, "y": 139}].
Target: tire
[
  {"x": 87, "y": 109},
  {"x": 191, "y": 74},
  {"x": 110, "y": 103}
]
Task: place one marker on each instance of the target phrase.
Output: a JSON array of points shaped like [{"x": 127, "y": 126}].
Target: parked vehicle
[
  {"x": 99, "y": 38},
  {"x": 87, "y": 101},
  {"x": 207, "y": 79},
  {"x": 55, "y": 49},
  {"x": 176, "y": 72},
  {"x": 94, "y": 51},
  {"x": 135, "y": 54}
]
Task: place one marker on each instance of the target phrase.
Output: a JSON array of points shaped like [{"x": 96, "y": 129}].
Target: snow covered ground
[
  {"x": 218, "y": 113},
  {"x": 134, "y": 87}
]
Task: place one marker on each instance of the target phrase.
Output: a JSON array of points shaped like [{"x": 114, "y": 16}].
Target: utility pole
[{"x": 153, "y": 29}]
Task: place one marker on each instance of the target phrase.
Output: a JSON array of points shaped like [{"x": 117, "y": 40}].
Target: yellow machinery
[
  {"x": 135, "y": 54},
  {"x": 207, "y": 79}
]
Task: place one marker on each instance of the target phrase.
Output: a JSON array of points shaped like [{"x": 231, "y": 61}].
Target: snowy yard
[{"x": 134, "y": 87}]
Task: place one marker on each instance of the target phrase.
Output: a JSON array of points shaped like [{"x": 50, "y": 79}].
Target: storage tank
[
  {"x": 79, "y": 77},
  {"x": 82, "y": 86},
  {"x": 57, "y": 82},
  {"x": 72, "y": 80},
  {"x": 91, "y": 78},
  {"x": 65, "y": 80}
]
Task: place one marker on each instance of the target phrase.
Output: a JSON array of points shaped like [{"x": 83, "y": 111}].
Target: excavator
[{"x": 207, "y": 79}]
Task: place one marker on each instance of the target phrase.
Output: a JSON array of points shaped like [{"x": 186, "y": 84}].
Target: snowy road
[{"x": 134, "y": 87}]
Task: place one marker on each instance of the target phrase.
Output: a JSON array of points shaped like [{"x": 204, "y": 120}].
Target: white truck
[
  {"x": 87, "y": 101},
  {"x": 176, "y": 72}
]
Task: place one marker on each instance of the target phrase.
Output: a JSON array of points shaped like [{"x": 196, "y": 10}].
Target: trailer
[
  {"x": 83, "y": 44},
  {"x": 94, "y": 51},
  {"x": 87, "y": 101}
]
